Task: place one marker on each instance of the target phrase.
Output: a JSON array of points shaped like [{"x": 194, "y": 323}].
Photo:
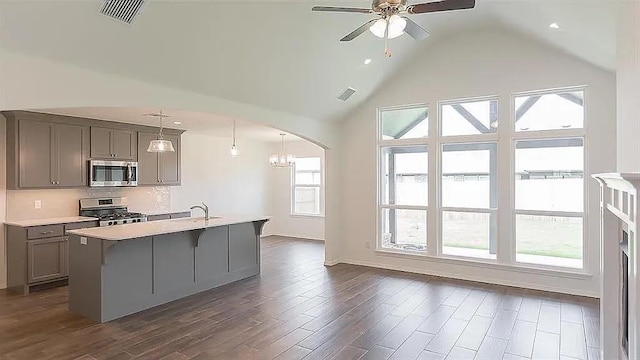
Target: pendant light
[
  {"x": 282, "y": 159},
  {"x": 160, "y": 145},
  {"x": 234, "y": 149}
]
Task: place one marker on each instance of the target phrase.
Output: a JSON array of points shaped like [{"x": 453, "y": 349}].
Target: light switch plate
[
  {"x": 38, "y": 204},
  {"x": 83, "y": 240}
]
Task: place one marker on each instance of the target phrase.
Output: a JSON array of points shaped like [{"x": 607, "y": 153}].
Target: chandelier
[{"x": 282, "y": 159}]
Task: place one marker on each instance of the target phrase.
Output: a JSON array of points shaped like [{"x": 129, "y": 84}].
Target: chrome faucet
[{"x": 204, "y": 208}]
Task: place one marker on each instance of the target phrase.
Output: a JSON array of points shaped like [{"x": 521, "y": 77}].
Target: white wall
[
  {"x": 283, "y": 223},
  {"x": 474, "y": 64},
  {"x": 628, "y": 82},
  {"x": 227, "y": 185}
]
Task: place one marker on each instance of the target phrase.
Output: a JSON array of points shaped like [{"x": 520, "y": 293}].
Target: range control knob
[
  {"x": 110, "y": 222},
  {"x": 124, "y": 221}
]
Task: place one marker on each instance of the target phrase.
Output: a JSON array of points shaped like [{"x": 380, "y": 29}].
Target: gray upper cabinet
[
  {"x": 51, "y": 155},
  {"x": 50, "y": 151},
  {"x": 71, "y": 164},
  {"x": 158, "y": 168},
  {"x": 169, "y": 163},
  {"x": 112, "y": 144},
  {"x": 36, "y": 155}
]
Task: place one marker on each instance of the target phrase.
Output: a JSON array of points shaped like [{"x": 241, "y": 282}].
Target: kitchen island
[{"x": 120, "y": 270}]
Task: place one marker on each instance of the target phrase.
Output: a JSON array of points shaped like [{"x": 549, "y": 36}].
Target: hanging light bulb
[
  {"x": 234, "y": 149},
  {"x": 160, "y": 145},
  {"x": 397, "y": 25},
  {"x": 282, "y": 159}
]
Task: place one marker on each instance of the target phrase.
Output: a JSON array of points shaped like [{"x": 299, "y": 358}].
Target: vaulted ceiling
[{"x": 278, "y": 55}]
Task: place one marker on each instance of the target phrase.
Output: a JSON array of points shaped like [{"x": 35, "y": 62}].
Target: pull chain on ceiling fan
[{"x": 392, "y": 21}]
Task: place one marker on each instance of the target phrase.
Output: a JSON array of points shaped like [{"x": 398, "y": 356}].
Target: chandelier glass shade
[
  {"x": 397, "y": 25},
  {"x": 282, "y": 159}
]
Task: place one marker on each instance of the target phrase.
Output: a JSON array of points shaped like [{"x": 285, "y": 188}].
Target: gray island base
[{"x": 109, "y": 278}]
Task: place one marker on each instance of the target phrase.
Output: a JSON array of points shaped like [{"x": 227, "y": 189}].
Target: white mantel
[{"x": 619, "y": 205}]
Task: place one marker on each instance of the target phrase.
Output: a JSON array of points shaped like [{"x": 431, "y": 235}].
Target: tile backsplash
[{"x": 64, "y": 202}]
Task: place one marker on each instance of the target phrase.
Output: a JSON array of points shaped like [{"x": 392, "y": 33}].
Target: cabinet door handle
[{"x": 46, "y": 232}]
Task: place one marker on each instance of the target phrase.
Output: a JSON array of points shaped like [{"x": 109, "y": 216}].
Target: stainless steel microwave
[{"x": 113, "y": 173}]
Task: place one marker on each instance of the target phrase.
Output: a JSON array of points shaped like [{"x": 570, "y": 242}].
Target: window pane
[
  {"x": 407, "y": 123},
  {"x": 404, "y": 175},
  {"x": 308, "y": 164},
  {"x": 307, "y": 171},
  {"x": 404, "y": 229},
  {"x": 307, "y": 200},
  {"x": 549, "y": 240},
  {"x": 470, "y": 118},
  {"x": 468, "y": 234},
  {"x": 469, "y": 175},
  {"x": 550, "y": 175},
  {"x": 563, "y": 110}
]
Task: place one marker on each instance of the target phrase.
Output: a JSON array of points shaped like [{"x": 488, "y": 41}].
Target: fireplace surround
[{"x": 619, "y": 288}]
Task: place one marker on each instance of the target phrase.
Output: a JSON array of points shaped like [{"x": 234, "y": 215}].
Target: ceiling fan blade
[
  {"x": 444, "y": 5},
  {"x": 415, "y": 31},
  {"x": 341, "y": 9},
  {"x": 359, "y": 31}
]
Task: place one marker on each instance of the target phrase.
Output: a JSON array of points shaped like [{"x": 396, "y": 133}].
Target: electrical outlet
[
  {"x": 38, "y": 204},
  {"x": 367, "y": 245},
  {"x": 83, "y": 240}
]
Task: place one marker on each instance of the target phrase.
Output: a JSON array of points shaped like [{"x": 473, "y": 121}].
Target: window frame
[
  {"x": 295, "y": 186},
  {"x": 516, "y": 136},
  {"x": 442, "y": 140},
  {"x": 381, "y": 144},
  {"x": 505, "y": 137}
]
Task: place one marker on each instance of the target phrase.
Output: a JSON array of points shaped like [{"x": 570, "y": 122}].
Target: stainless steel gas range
[{"x": 110, "y": 211}]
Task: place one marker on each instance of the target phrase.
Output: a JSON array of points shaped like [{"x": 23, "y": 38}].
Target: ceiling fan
[{"x": 392, "y": 22}]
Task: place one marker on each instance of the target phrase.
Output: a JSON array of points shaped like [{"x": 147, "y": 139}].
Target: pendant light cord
[
  {"x": 160, "y": 136},
  {"x": 234, "y": 132}
]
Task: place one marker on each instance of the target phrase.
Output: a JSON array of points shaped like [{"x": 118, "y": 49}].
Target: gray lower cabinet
[
  {"x": 158, "y": 168},
  {"x": 46, "y": 259},
  {"x": 38, "y": 255},
  {"x": 113, "y": 144},
  {"x": 51, "y": 155}
]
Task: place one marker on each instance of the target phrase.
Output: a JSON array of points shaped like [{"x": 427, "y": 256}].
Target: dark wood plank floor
[{"x": 298, "y": 309}]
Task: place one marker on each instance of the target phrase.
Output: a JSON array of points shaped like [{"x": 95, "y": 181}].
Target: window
[
  {"x": 403, "y": 184},
  {"x": 536, "y": 152},
  {"x": 307, "y": 186},
  {"x": 469, "y": 199},
  {"x": 550, "y": 201},
  {"x": 549, "y": 178},
  {"x": 404, "y": 197},
  {"x": 469, "y": 191}
]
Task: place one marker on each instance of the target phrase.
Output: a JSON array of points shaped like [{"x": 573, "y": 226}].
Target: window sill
[
  {"x": 491, "y": 264},
  {"x": 307, "y": 216}
]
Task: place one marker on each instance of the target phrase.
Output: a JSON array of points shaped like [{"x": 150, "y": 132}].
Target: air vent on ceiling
[
  {"x": 346, "y": 94},
  {"x": 123, "y": 10}
]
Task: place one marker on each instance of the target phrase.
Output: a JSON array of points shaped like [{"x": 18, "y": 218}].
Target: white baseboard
[
  {"x": 470, "y": 278},
  {"x": 3, "y": 286},
  {"x": 332, "y": 262}
]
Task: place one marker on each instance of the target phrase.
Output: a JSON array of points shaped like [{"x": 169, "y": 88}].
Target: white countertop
[
  {"x": 152, "y": 228},
  {"x": 51, "y": 221}
]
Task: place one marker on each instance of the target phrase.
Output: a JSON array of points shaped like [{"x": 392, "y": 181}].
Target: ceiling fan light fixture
[{"x": 397, "y": 25}]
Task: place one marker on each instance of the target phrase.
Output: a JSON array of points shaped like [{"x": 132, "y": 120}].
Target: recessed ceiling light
[
  {"x": 177, "y": 122},
  {"x": 367, "y": 61},
  {"x": 554, "y": 26}
]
